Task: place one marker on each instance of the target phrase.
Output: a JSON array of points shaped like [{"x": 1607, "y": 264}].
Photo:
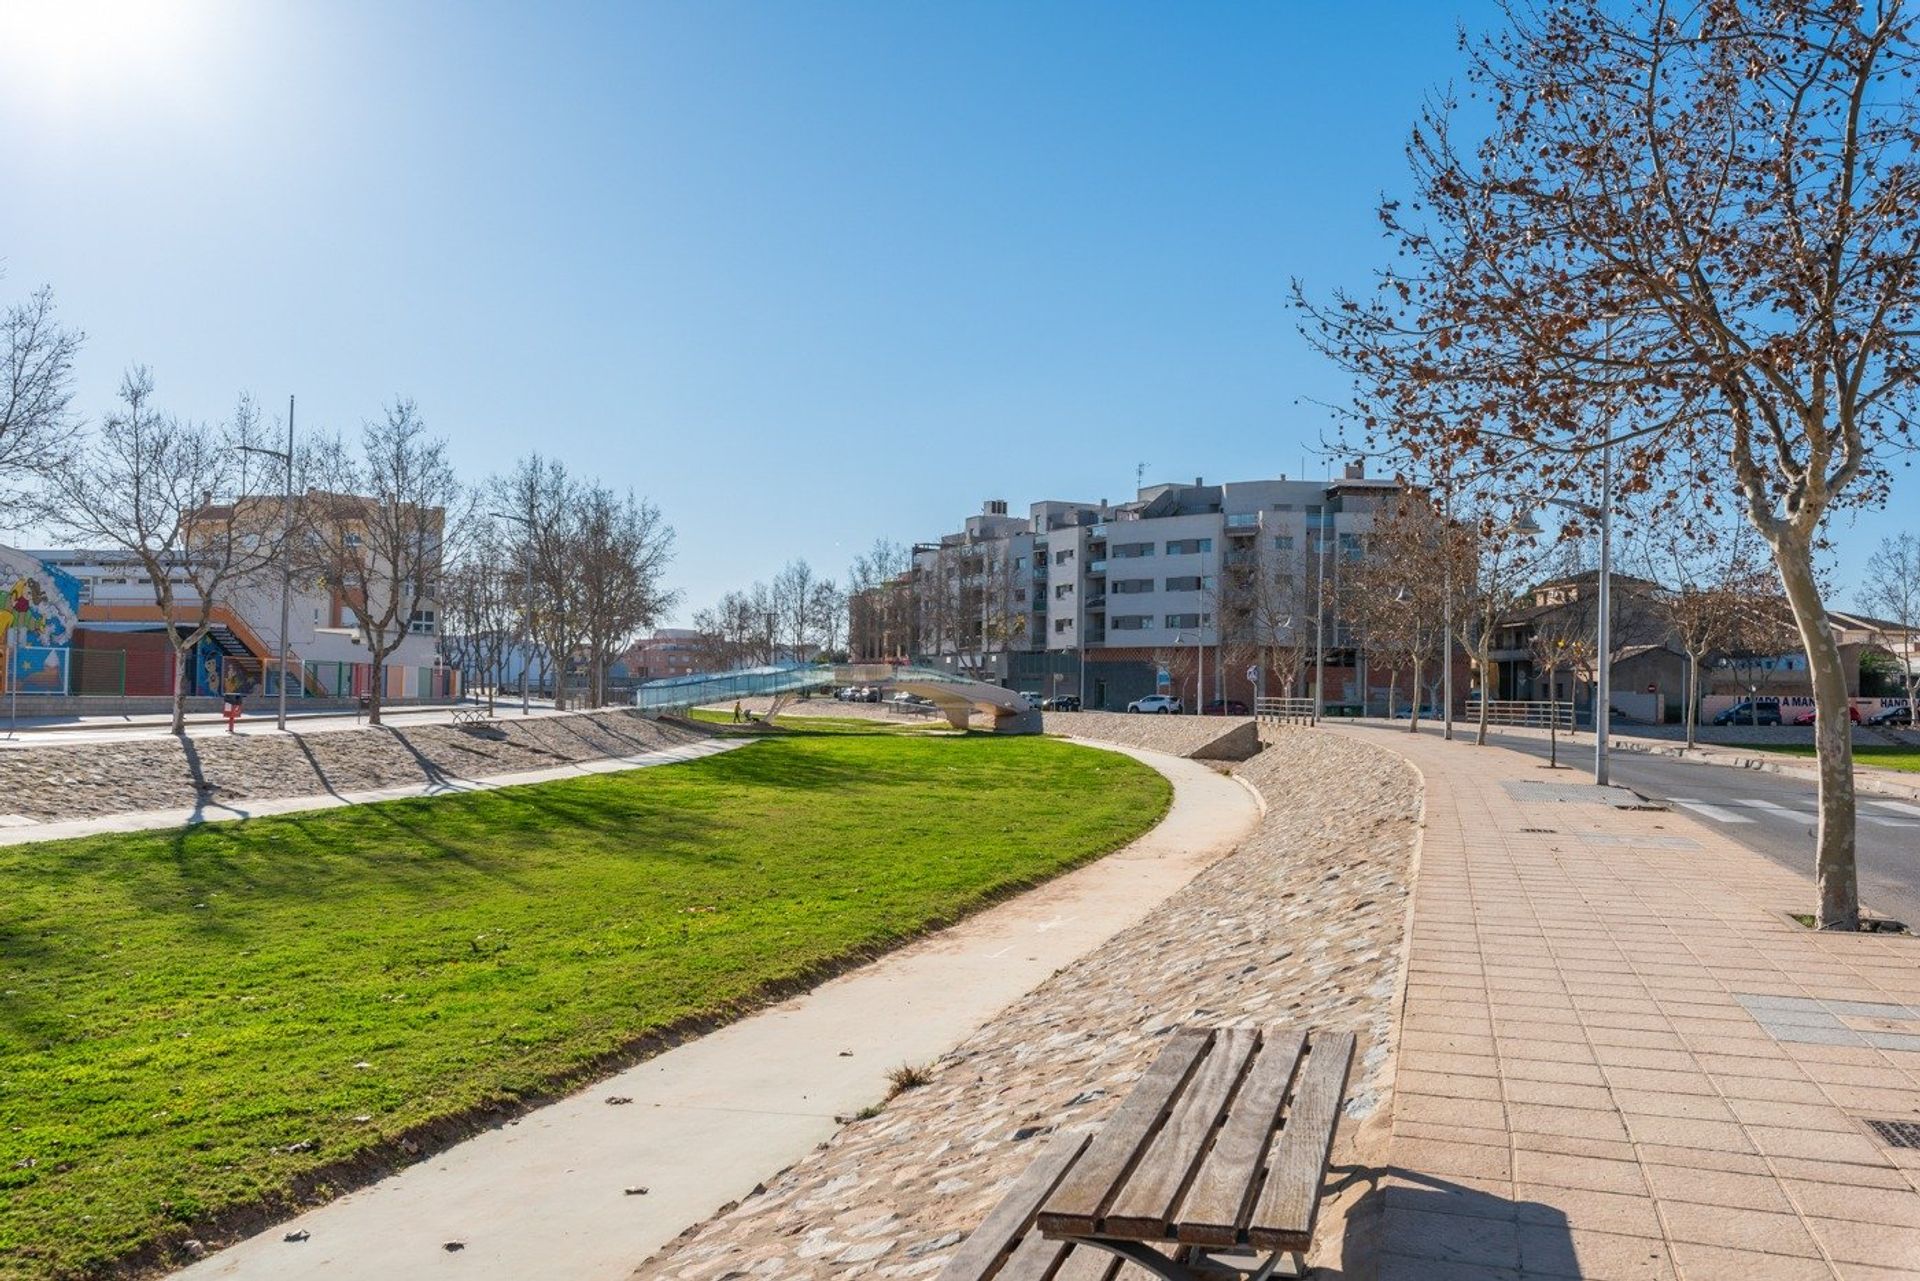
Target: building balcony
[
  {"x": 1096, "y": 567},
  {"x": 1243, "y": 522}
]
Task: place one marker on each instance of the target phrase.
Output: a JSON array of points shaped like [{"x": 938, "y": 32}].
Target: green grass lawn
[
  {"x": 1905, "y": 758},
  {"x": 203, "y": 1020}
]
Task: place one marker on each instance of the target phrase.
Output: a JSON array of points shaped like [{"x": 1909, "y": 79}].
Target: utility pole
[
  {"x": 1320, "y": 622},
  {"x": 1446, "y": 613},
  {"x": 1603, "y": 686}
]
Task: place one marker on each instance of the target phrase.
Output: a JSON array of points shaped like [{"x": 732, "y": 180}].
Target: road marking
[
  {"x": 1713, "y": 812},
  {"x": 1898, "y": 807},
  {"x": 1805, "y": 816}
]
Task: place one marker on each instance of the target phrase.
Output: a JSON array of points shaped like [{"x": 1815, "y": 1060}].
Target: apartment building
[{"x": 1186, "y": 587}]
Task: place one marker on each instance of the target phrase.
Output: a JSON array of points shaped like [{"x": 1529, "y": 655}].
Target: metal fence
[
  {"x": 1527, "y": 714},
  {"x": 1299, "y": 710},
  {"x": 119, "y": 673}
]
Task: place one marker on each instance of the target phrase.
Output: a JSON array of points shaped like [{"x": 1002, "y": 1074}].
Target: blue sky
[{"x": 805, "y": 274}]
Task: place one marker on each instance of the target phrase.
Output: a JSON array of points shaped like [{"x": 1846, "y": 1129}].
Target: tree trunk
[
  {"x": 1693, "y": 699},
  {"x": 1486, "y": 660},
  {"x": 1413, "y": 715},
  {"x": 376, "y": 687},
  {"x": 179, "y": 690},
  {"x": 1836, "y": 874}
]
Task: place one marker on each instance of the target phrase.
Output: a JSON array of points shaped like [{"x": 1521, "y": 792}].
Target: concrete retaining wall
[{"x": 1213, "y": 738}]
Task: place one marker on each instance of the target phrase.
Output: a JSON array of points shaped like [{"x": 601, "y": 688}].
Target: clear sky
[{"x": 805, "y": 274}]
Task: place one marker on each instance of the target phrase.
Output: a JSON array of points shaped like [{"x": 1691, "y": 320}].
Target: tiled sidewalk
[{"x": 1618, "y": 1060}]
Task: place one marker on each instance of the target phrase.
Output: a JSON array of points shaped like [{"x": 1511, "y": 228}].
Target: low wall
[{"x": 1216, "y": 738}]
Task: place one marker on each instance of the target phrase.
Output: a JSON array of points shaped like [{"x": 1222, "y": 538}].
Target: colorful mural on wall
[{"x": 39, "y": 610}]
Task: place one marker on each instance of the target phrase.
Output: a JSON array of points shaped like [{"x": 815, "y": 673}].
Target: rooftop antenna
[{"x": 1139, "y": 476}]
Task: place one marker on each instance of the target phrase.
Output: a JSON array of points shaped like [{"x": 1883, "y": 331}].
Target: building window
[
  {"x": 422, "y": 622},
  {"x": 1283, "y": 542},
  {"x": 1062, "y": 625},
  {"x": 1189, "y": 583},
  {"x": 1130, "y": 622},
  {"x": 1019, "y": 562},
  {"x": 1131, "y": 551},
  {"x": 353, "y": 542},
  {"x": 1188, "y": 620},
  {"x": 1063, "y": 591},
  {"x": 1019, "y": 593},
  {"x": 1130, "y": 586},
  {"x": 1061, "y": 558},
  {"x": 1188, "y": 546}
]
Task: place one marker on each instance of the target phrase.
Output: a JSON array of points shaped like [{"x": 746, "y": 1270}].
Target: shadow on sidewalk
[{"x": 1422, "y": 1228}]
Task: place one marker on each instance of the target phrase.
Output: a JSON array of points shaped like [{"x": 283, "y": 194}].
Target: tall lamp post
[
  {"x": 526, "y": 607},
  {"x": 1603, "y": 639},
  {"x": 286, "y": 566}
]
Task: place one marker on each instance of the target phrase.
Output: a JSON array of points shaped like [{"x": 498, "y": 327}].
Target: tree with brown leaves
[{"x": 1689, "y": 237}]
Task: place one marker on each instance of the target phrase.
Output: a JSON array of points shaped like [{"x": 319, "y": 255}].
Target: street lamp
[
  {"x": 526, "y": 607},
  {"x": 1603, "y": 649},
  {"x": 286, "y": 565}
]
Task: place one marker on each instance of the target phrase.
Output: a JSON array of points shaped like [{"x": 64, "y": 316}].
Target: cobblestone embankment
[
  {"x": 85, "y": 780},
  {"x": 1175, "y": 735},
  {"x": 1301, "y": 925}
]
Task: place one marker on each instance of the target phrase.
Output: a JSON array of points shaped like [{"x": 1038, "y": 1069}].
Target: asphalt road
[{"x": 1772, "y": 814}]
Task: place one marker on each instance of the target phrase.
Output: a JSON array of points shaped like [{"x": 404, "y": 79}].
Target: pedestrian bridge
[{"x": 957, "y": 697}]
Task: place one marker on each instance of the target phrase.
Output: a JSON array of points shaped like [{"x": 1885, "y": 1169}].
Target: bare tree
[
  {"x": 1892, "y": 591},
  {"x": 1686, "y": 238},
  {"x": 621, "y": 553},
  {"x": 172, "y": 497},
  {"x": 36, "y": 390},
  {"x": 544, "y": 503},
  {"x": 881, "y": 603},
  {"x": 374, "y": 527},
  {"x": 1716, "y": 573},
  {"x": 829, "y": 615},
  {"x": 793, "y": 607},
  {"x": 479, "y": 604}
]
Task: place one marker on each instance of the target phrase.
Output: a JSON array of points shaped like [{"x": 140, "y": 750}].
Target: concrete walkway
[
  {"x": 215, "y": 812},
  {"x": 1618, "y": 1060},
  {"x": 547, "y": 1196}
]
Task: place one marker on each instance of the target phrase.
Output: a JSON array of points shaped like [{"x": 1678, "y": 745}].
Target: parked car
[
  {"x": 1897, "y": 715},
  {"x": 1157, "y": 703},
  {"x": 1806, "y": 717},
  {"x": 1749, "y": 712},
  {"x": 1224, "y": 707},
  {"x": 1061, "y": 703}
]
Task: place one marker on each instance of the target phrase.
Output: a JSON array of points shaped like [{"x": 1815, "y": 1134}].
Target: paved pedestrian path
[
  {"x": 580, "y": 1191},
  {"x": 1618, "y": 1059}
]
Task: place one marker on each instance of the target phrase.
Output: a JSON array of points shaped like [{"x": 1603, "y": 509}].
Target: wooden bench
[{"x": 1214, "y": 1161}]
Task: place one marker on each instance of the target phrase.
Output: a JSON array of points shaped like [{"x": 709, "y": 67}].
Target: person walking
[
  {"x": 736, "y": 711},
  {"x": 230, "y": 708}
]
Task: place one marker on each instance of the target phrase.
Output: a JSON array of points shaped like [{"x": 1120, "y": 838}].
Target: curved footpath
[
  {"x": 549, "y": 1195},
  {"x": 1303, "y": 924}
]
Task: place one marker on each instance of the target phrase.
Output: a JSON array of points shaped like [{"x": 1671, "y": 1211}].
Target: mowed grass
[
  {"x": 1903, "y": 758},
  {"x": 195, "y": 1021}
]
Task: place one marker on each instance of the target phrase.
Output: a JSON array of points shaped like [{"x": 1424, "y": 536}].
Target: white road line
[
  {"x": 1713, "y": 812},
  {"x": 1898, "y": 807},
  {"x": 1771, "y": 808},
  {"x": 1889, "y": 822}
]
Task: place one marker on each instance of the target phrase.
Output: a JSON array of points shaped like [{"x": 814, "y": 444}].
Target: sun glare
[{"x": 59, "y": 50}]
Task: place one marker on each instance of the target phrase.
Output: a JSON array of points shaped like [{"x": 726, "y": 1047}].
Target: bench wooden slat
[
  {"x": 1033, "y": 1258},
  {"x": 1074, "y": 1207},
  {"x": 1215, "y": 1210},
  {"x": 982, "y": 1253},
  {"x": 1283, "y": 1216},
  {"x": 1144, "y": 1206},
  {"x": 1088, "y": 1263}
]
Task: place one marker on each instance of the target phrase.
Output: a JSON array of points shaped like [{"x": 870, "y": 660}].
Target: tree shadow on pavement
[{"x": 1410, "y": 1226}]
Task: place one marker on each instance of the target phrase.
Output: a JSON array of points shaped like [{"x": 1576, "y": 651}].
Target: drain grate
[
  {"x": 1895, "y": 1134},
  {"x": 1540, "y": 831}
]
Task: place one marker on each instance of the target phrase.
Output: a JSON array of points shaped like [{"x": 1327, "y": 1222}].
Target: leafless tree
[
  {"x": 479, "y": 605},
  {"x": 544, "y": 503},
  {"x": 172, "y": 497},
  {"x": 1892, "y": 592},
  {"x": 881, "y": 603},
  {"x": 1686, "y": 237},
  {"x": 793, "y": 607},
  {"x": 1715, "y": 574},
  {"x": 36, "y": 391},
  {"x": 621, "y": 550},
  {"x": 374, "y": 529},
  {"x": 829, "y": 615}
]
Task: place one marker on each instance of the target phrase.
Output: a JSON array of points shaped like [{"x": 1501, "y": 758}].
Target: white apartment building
[{"x": 1105, "y": 593}]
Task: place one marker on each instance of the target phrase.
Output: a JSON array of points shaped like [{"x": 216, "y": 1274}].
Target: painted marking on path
[
  {"x": 1805, "y": 816},
  {"x": 1713, "y": 812},
  {"x": 1898, "y": 807}
]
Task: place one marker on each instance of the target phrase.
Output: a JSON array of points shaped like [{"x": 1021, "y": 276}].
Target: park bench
[
  {"x": 470, "y": 716},
  {"x": 1214, "y": 1161}
]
